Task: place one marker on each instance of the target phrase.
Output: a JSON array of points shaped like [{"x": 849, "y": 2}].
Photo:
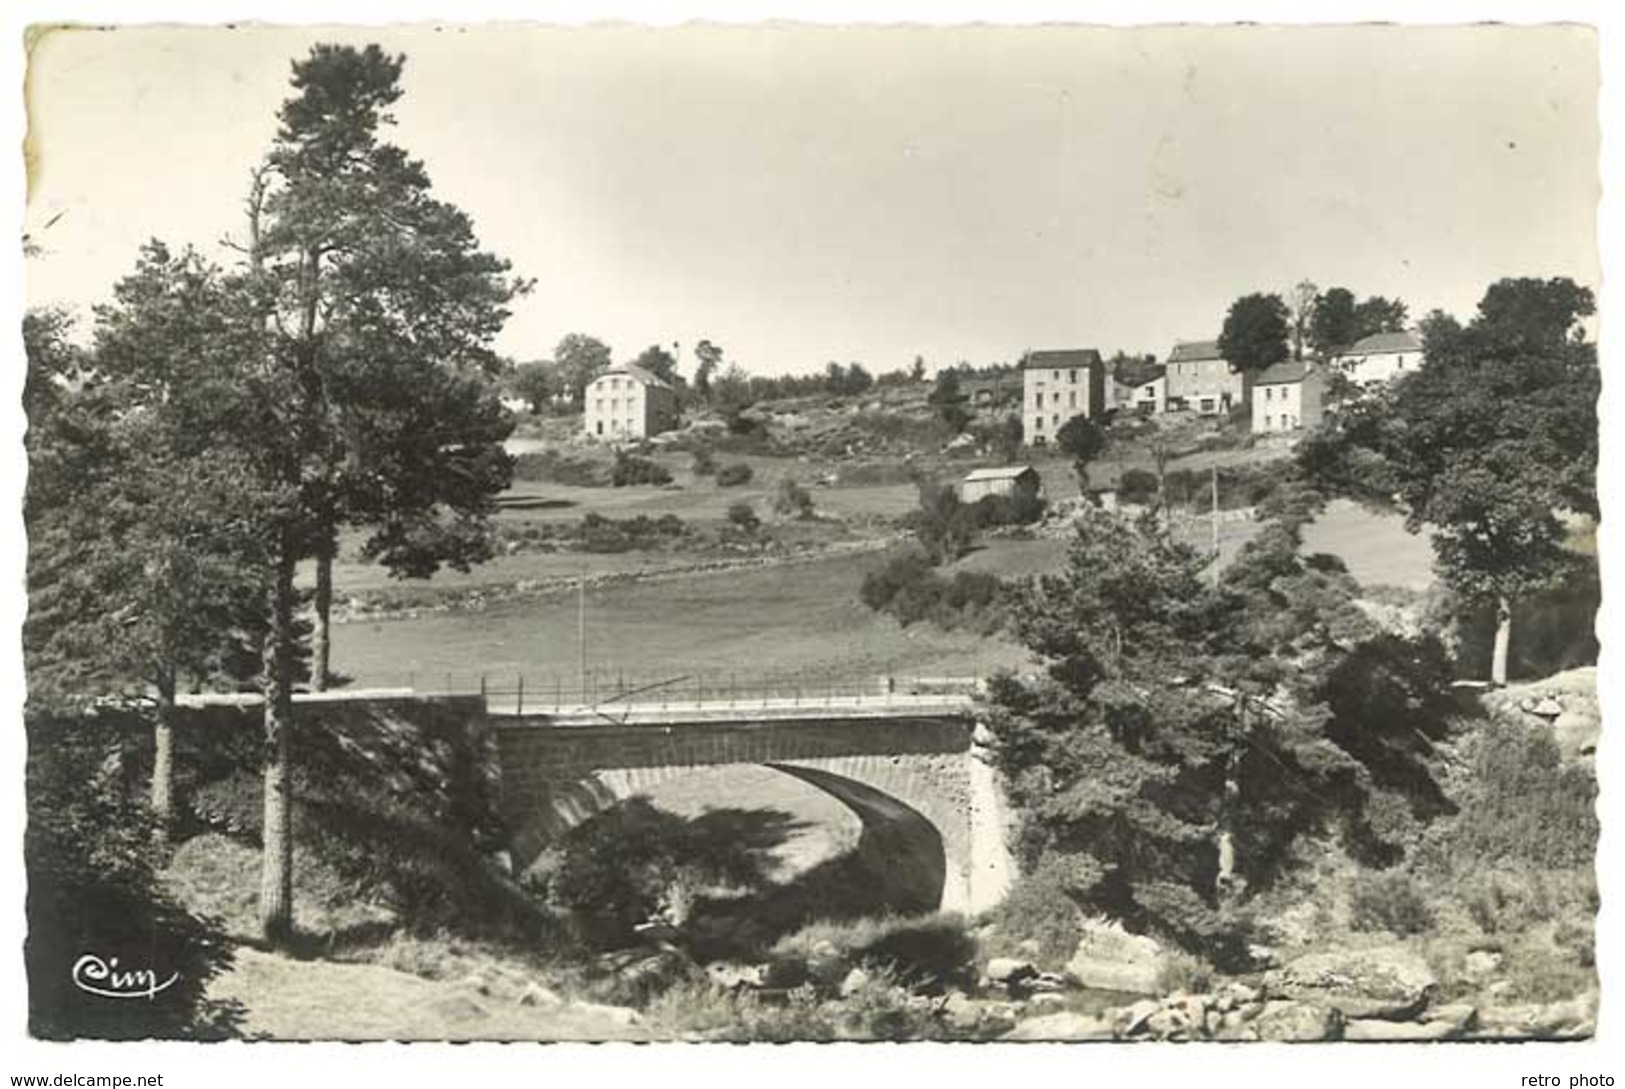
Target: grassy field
[{"x": 804, "y": 619}]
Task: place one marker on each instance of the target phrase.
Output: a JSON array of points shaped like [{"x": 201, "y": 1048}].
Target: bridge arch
[{"x": 911, "y": 782}]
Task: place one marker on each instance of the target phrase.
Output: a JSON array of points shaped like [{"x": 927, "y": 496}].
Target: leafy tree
[
  {"x": 146, "y": 566},
  {"x": 948, "y": 401},
  {"x": 731, "y": 393},
  {"x": 1301, "y": 305},
  {"x": 943, "y": 524},
  {"x": 376, "y": 404},
  {"x": 791, "y": 500},
  {"x": 710, "y": 360},
  {"x": 659, "y": 362},
  {"x": 1255, "y": 332},
  {"x": 1083, "y": 440},
  {"x": 1379, "y": 315},
  {"x": 916, "y": 372},
  {"x": 1334, "y": 324},
  {"x": 535, "y": 382},
  {"x": 1172, "y": 744},
  {"x": 580, "y": 358},
  {"x": 1490, "y": 442}
]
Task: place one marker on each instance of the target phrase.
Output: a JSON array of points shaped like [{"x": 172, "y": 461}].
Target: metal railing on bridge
[{"x": 523, "y": 693}]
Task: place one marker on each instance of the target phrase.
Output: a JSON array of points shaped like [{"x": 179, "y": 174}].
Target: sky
[{"x": 799, "y": 195}]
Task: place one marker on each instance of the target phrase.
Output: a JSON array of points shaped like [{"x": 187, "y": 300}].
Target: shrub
[
  {"x": 911, "y": 591},
  {"x": 1522, "y": 804},
  {"x": 1137, "y": 486},
  {"x": 944, "y": 526},
  {"x": 743, "y": 515},
  {"x": 792, "y": 500},
  {"x": 922, "y": 952},
  {"x": 705, "y": 462},
  {"x": 630, "y": 469},
  {"x": 1039, "y": 909},
  {"x": 1389, "y": 901},
  {"x": 734, "y": 474},
  {"x": 1021, "y": 508}
]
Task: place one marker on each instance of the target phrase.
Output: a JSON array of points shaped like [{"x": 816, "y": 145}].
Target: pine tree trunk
[
  {"x": 1503, "y": 641},
  {"x": 320, "y": 636},
  {"x": 163, "y": 757},
  {"x": 276, "y": 870}
]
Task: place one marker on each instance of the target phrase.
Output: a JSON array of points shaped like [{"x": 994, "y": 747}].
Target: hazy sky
[{"x": 799, "y": 195}]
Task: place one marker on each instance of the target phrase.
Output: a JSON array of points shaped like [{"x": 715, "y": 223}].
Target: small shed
[{"x": 1009, "y": 480}]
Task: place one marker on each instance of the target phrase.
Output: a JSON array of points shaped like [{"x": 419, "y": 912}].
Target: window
[
  {"x": 600, "y": 404},
  {"x": 1072, "y": 399},
  {"x": 1038, "y": 423},
  {"x": 1056, "y": 420},
  {"x": 1269, "y": 393},
  {"x": 600, "y": 427},
  {"x": 1072, "y": 375},
  {"x": 1269, "y": 423},
  {"x": 1038, "y": 400}
]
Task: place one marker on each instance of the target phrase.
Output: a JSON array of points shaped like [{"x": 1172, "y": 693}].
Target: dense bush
[
  {"x": 705, "y": 462},
  {"x": 944, "y": 526},
  {"x": 792, "y": 500},
  {"x": 92, "y": 891},
  {"x": 1021, "y": 508},
  {"x": 631, "y": 469},
  {"x": 734, "y": 474},
  {"x": 743, "y": 515},
  {"x": 911, "y": 591},
  {"x": 1391, "y": 901},
  {"x": 1522, "y": 804},
  {"x": 601, "y": 534},
  {"x": 550, "y": 466},
  {"x": 1039, "y": 909},
  {"x": 1138, "y": 486},
  {"x": 921, "y": 952}
]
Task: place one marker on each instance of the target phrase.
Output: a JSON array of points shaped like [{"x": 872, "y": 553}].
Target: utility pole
[
  {"x": 1214, "y": 469},
  {"x": 581, "y": 631}
]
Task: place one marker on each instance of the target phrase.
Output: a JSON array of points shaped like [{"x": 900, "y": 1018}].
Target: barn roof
[{"x": 1006, "y": 472}]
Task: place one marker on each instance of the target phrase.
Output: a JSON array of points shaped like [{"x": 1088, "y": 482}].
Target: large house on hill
[
  {"x": 627, "y": 403},
  {"x": 1201, "y": 379},
  {"x": 1057, "y": 385},
  {"x": 1380, "y": 358}
]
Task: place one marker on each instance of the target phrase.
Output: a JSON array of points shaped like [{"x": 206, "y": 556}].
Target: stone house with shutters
[
  {"x": 1288, "y": 396},
  {"x": 1057, "y": 385},
  {"x": 1201, "y": 380},
  {"x": 627, "y": 403}
]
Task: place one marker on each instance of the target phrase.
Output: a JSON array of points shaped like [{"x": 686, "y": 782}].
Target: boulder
[
  {"x": 1389, "y": 981},
  {"x": 1297, "y": 1022},
  {"x": 535, "y": 994},
  {"x": 1062, "y": 1026},
  {"x": 1046, "y": 1000},
  {"x": 732, "y": 977},
  {"x": 1379, "y": 1031},
  {"x": 1572, "y": 1019},
  {"x": 1109, "y": 958},
  {"x": 1460, "y": 1016},
  {"x": 856, "y": 980},
  {"x": 1131, "y": 1019},
  {"x": 1048, "y": 983}
]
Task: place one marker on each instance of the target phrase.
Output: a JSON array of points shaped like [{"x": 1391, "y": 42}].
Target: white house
[
  {"x": 1380, "y": 358},
  {"x": 627, "y": 403},
  {"x": 1287, "y": 397},
  {"x": 1150, "y": 396},
  {"x": 1056, "y": 386}
]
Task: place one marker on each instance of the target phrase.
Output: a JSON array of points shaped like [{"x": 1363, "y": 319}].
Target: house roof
[
  {"x": 1004, "y": 472},
  {"x": 1406, "y": 341},
  {"x": 1191, "y": 351},
  {"x": 1063, "y": 358},
  {"x": 1283, "y": 373},
  {"x": 632, "y": 370}
]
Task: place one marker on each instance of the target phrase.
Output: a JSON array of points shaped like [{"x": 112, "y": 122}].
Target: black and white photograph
[{"x": 791, "y": 532}]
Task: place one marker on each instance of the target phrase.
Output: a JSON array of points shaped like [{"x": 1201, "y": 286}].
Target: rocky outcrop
[
  {"x": 1109, "y": 958},
  {"x": 1388, "y": 982}
]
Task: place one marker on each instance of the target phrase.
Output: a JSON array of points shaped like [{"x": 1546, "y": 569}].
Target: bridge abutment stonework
[{"x": 914, "y": 781}]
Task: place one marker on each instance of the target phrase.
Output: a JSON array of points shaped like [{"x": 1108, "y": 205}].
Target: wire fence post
[{"x": 519, "y": 706}]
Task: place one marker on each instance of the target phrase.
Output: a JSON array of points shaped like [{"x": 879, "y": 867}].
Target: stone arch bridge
[{"x": 910, "y": 768}]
